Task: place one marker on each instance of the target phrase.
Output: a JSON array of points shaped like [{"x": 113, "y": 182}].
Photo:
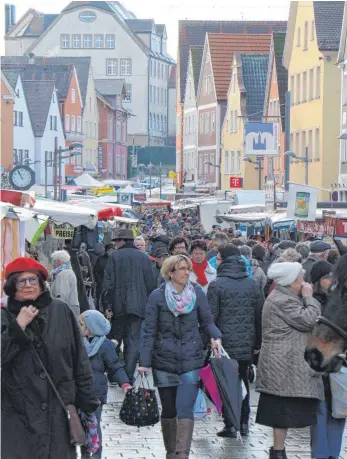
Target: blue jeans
[
  {"x": 327, "y": 434},
  {"x": 84, "y": 450},
  {"x": 178, "y": 401}
]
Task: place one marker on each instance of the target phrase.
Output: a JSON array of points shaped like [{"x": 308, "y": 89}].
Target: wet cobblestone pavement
[{"x": 123, "y": 442}]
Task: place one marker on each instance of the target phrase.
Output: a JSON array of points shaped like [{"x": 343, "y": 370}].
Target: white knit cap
[{"x": 285, "y": 273}]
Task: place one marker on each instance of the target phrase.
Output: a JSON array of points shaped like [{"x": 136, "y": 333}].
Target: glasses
[{"x": 32, "y": 281}]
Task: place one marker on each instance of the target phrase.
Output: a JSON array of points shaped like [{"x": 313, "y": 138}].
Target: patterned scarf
[
  {"x": 199, "y": 270},
  {"x": 60, "y": 268},
  {"x": 180, "y": 303}
]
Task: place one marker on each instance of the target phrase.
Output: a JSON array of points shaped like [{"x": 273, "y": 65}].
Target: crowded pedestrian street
[{"x": 173, "y": 229}]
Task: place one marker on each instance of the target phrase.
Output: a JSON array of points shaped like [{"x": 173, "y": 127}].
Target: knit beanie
[
  {"x": 285, "y": 273},
  {"x": 320, "y": 269},
  {"x": 96, "y": 323}
]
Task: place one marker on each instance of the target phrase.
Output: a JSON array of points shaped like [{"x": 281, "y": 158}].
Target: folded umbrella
[
  {"x": 209, "y": 387},
  {"x": 226, "y": 373}
]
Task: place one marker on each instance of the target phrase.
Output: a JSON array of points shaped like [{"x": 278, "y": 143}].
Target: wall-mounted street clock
[{"x": 22, "y": 177}]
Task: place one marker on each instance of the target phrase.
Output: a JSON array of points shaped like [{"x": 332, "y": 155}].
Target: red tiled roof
[{"x": 222, "y": 49}]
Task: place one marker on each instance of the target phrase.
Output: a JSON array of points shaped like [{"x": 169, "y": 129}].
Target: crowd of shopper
[{"x": 162, "y": 299}]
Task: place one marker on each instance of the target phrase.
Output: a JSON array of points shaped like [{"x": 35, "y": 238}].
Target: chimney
[{"x": 10, "y": 16}]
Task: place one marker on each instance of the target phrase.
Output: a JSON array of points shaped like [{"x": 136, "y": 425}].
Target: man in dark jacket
[
  {"x": 159, "y": 256},
  {"x": 99, "y": 270},
  {"x": 160, "y": 241},
  {"x": 236, "y": 304},
  {"x": 128, "y": 281},
  {"x": 271, "y": 255},
  {"x": 319, "y": 250}
]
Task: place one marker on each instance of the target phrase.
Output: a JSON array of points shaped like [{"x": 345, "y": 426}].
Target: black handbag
[{"x": 140, "y": 407}]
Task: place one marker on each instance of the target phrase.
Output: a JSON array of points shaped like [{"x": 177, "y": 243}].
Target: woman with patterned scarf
[
  {"x": 203, "y": 272},
  {"x": 172, "y": 347},
  {"x": 64, "y": 282}
]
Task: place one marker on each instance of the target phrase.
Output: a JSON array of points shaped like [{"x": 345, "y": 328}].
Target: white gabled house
[{"x": 43, "y": 106}]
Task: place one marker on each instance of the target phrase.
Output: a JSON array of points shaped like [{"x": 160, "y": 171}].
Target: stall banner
[
  {"x": 65, "y": 231},
  {"x": 341, "y": 228},
  {"x": 329, "y": 226},
  {"x": 302, "y": 202},
  {"x": 315, "y": 228}
]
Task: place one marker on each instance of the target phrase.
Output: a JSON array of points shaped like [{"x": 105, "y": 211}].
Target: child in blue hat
[{"x": 103, "y": 359}]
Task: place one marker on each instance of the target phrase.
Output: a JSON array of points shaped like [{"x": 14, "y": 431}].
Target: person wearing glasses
[
  {"x": 173, "y": 348},
  {"x": 64, "y": 282},
  {"x": 34, "y": 423}
]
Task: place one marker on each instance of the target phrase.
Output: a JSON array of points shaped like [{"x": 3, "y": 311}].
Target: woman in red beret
[{"x": 33, "y": 320}]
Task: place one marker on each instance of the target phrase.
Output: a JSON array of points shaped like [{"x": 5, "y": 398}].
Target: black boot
[
  {"x": 277, "y": 454},
  {"x": 244, "y": 430},
  {"x": 228, "y": 432}
]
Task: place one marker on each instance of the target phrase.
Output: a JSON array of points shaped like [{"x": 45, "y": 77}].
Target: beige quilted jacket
[{"x": 287, "y": 322}]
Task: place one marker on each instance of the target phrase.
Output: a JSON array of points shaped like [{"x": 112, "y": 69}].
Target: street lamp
[
  {"x": 257, "y": 163},
  {"x": 305, "y": 160},
  {"x": 57, "y": 163}
]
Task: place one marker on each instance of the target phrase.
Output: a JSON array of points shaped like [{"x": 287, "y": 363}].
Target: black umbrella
[{"x": 226, "y": 373}]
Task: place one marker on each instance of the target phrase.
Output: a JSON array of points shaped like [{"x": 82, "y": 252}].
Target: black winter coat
[
  {"x": 172, "y": 343},
  {"x": 128, "y": 280},
  {"x": 99, "y": 268},
  {"x": 34, "y": 424},
  {"x": 106, "y": 361},
  {"x": 159, "y": 242},
  {"x": 308, "y": 266},
  {"x": 236, "y": 303}
]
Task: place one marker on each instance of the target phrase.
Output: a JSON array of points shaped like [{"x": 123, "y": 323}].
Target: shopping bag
[
  {"x": 200, "y": 408},
  {"x": 338, "y": 386},
  {"x": 140, "y": 406},
  {"x": 209, "y": 386}
]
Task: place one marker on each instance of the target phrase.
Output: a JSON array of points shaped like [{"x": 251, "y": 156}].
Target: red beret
[{"x": 23, "y": 264}]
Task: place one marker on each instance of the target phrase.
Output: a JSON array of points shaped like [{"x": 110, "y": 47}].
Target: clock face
[{"x": 22, "y": 177}]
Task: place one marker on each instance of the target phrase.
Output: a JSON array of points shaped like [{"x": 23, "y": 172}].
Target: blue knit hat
[{"x": 96, "y": 323}]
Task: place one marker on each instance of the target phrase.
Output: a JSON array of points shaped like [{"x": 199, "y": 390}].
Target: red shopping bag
[{"x": 210, "y": 387}]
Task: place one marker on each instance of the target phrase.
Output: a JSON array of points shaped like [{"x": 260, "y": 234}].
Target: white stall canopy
[{"x": 61, "y": 213}]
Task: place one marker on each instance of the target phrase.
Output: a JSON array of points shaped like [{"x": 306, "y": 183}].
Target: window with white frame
[
  {"x": 212, "y": 169},
  {"x": 234, "y": 82},
  {"x": 205, "y": 84},
  {"x": 20, "y": 119},
  {"x": 150, "y": 93},
  {"x": 304, "y": 86},
  {"x": 318, "y": 73},
  {"x": 165, "y": 126},
  {"x": 125, "y": 67},
  {"x": 344, "y": 89},
  {"x": 79, "y": 124},
  {"x": 232, "y": 162},
  {"x": 112, "y": 67},
  {"x": 150, "y": 121},
  {"x": 127, "y": 95},
  {"x": 161, "y": 123},
  {"x": 297, "y": 143},
  {"x": 344, "y": 151},
  {"x": 310, "y": 143},
  {"x": 65, "y": 41},
  {"x": 110, "y": 41},
  {"x": 207, "y": 122},
  {"x": 310, "y": 85},
  {"x": 238, "y": 162},
  {"x": 73, "y": 96},
  {"x": 298, "y": 36},
  {"x": 87, "y": 41},
  {"x": 67, "y": 123},
  {"x": 213, "y": 121},
  {"x": 298, "y": 88},
  {"x": 73, "y": 123},
  {"x": 76, "y": 41},
  {"x": 201, "y": 123},
  {"x": 313, "y": 30},
  {"x": 303, "y": 144},
  {"x": 158, "y": 96},
  {"x": 231, "y": 122},
  {"x": 155, "y": 69},
  {"x": 317, "y": 143},
  {"x": 206, "y": 165},
  {"x": 158, "y": 70},
  {"x": 226, "y": 162},
  {"x": 210, "y": 84},
  {"x": 292, "y": 80},
  {"x": 154, "y": 122},
  {"x": 306, "y": 36},
  {"x": 98, "y": 41},
  {"x": 201, "y": 164},
  {"x": 235, "y": 120}
]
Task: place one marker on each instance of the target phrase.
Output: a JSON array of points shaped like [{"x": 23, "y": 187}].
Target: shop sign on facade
[{"x": 65, "y": 231}]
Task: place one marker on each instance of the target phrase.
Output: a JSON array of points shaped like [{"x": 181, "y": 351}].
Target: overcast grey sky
[{"x": 170, "y": 11}]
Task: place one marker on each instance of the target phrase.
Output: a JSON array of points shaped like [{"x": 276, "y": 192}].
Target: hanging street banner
[
  {"x": 261, "y": 139},
  {"x": 302, "y": 202}
]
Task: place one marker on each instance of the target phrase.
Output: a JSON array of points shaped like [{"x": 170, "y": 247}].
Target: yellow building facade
[
  {"x": 314, "y": 82},
  {"x": 233, "y": 140}
]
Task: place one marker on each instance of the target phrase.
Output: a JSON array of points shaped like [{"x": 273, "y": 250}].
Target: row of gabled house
[
  {"x": 231, "y": 73},
  {"x": 53, "y": 102}
]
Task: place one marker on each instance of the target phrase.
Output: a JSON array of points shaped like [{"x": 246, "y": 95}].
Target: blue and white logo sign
[{"x": 261, "y": 139}]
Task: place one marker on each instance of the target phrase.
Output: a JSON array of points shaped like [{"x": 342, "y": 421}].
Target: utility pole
[
  {"x": 160, "y": 183},
  {"x": 287, "y": 143},
  {"x": 259, "y": 172},
  {"x": 46, "y": 190}
]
